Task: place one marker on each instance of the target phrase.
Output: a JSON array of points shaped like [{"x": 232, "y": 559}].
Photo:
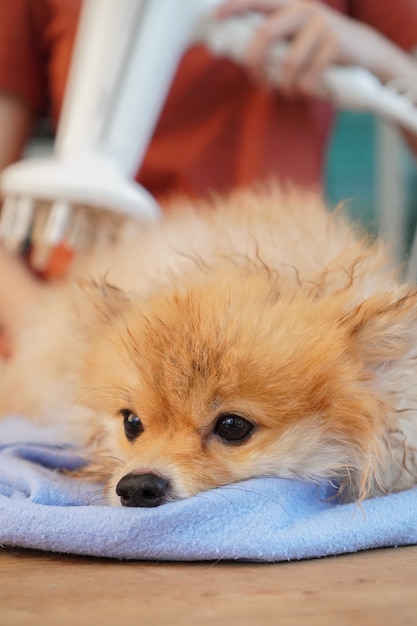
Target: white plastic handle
[{"x": 347, "y": 87}]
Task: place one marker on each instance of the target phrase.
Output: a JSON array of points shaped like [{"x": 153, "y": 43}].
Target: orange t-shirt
[{"x": 218, "y": 129}]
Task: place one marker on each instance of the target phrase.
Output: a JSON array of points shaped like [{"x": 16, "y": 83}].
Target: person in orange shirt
[{"x": 219, "y": 128}]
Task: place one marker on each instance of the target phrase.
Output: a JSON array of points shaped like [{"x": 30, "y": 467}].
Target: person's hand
[{"x": 318, "y": 37}]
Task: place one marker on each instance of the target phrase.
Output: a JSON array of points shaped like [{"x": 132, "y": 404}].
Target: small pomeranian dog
[{"x": 253, "y": 335}]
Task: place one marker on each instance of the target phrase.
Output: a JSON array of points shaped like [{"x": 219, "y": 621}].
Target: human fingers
[
  {"x": 311, "y": 80},
  {"x": 311, "y": 51},
  {"x": 280, "y": 26}
]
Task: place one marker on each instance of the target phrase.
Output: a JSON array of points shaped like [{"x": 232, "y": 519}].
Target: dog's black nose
[{"x": 142, "y": 490}]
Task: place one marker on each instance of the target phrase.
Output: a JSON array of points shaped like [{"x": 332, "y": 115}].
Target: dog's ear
[
  {"x": 383, "y": 328},
  {"x": 104, "y": 299}
]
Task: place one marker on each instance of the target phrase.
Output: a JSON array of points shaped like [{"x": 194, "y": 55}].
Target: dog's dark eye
[
  {"x": 132, "y": 424},
  {"x": 233, "y": 428}
]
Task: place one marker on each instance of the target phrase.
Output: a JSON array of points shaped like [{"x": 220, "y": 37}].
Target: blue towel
[{"x": 265, "y": 519}]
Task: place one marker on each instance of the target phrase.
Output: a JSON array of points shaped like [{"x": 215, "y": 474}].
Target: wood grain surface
[{"x": 378, "y": 588}]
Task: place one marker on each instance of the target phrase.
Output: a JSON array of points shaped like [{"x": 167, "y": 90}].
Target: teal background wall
[{"x": 351, "y": 172}]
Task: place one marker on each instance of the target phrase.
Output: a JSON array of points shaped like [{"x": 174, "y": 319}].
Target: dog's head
[{"x": 229, "y": 379}]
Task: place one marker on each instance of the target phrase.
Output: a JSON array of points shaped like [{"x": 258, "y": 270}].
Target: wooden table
[{"x": 378, "y": 588}]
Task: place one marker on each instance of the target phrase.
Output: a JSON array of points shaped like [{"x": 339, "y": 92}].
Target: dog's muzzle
[{"x": 145, "y": 490}]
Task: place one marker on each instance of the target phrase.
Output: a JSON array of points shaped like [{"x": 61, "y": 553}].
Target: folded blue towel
[{"x": 265, "y": 519}]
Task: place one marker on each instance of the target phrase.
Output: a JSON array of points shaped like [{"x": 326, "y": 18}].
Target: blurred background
[
  {"x": 370, "y": 166},
  {"x": 147, "y": 102}
]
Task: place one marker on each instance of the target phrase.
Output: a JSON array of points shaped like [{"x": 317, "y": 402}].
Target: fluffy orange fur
[{"x": 262, "y": 309}]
